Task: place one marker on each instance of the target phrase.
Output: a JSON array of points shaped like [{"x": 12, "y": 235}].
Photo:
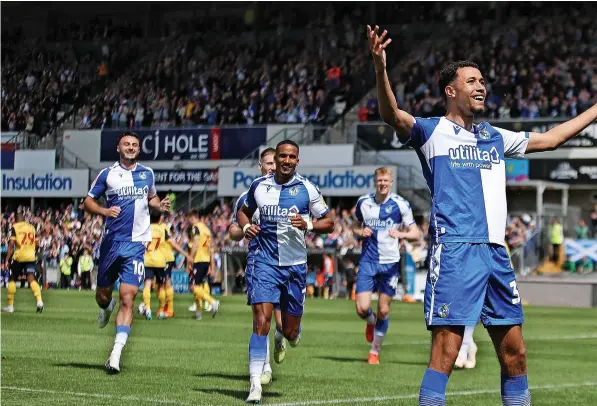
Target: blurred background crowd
[
  {"x": 182, "y": 70},
  {"x": 68, "y": 231}
]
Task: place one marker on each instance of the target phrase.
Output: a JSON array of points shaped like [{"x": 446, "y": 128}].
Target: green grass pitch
[{"x": 56, "y": 358}]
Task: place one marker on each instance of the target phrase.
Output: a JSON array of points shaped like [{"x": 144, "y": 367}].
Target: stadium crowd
[
  {"x": 67, "y": 229},
  {"x": 535, "y": 68}
]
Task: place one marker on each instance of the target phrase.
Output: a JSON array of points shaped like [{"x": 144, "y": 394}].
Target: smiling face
[
  {"x": 467, "y": 92},
  {"x": 383, "y": 181},
  {"x": 128, "y": 148},
  {"x": 286, "y": 160}
]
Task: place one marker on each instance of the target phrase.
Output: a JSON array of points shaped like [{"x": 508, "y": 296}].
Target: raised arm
[
  {"x": 559, "y": 135},
  {"x": 399, "y": 120}
]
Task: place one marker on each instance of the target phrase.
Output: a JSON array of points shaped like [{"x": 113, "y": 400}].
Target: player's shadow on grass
[
  {"x": 236, "y": 394},
  {"x": 343, "y": 359},
  {"x": 81, "y": 365},
  {"x": 230, "y": 377},
  {"x": 361, "y": 360}
]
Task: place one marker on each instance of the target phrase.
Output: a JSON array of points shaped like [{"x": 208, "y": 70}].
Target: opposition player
[
  {"x": 160, "y": 250},
  {"x": 167, "y": 247},
  {"x": 130, "y": 193},
  {"x": 20, "y": 259},
  {"x": 285, "y": 201},
  {"x": 155, "y": 261},
  {"x": 266, "y": 165},
  {"x": 203, "y": 263},
  {"x": 470, "y": 275},
  {"x": 380, "y": 215}
]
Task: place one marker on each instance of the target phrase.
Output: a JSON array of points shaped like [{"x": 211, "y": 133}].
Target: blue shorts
[
  {"x": 468, "y": 281},
  {"x": 380, "y": 278},
  {"x": 281, "y": 285},
  {"x": 121, "y": 259}
]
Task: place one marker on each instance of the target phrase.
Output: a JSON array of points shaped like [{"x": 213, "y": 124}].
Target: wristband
[
  {"x": 246, "y": 227},
  {"x": 309, "y": 225}
]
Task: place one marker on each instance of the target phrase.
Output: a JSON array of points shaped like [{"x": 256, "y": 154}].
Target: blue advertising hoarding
[{"x": 205, "y": 143}]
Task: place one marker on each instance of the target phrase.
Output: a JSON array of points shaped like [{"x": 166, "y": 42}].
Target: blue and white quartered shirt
[
  {"x": 381, "y": 218},
  {"x": 466, "y": 174},
  {"x": 279, "y": 243},
  {"x": 131, "y": 191}
]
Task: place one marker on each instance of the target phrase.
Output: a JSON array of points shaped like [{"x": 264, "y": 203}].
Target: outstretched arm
[
  {"x": 559, "y": 135},
  {"x": 399, "y": 120}
]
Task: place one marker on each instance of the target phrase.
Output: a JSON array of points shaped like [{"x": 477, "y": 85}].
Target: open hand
[{"x": 377, "y": 46}]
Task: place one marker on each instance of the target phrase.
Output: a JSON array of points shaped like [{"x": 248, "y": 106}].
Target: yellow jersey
[
  {"x": 203, "y": 253},
  {"x": 153, "y": 255},
  {"x": 23, "y": 234},
  {"x": 165, "y": 247}
]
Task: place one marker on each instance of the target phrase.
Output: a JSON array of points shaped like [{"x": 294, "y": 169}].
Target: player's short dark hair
[
  {"x": 193, "y": 213},
  {"x": 287, "y": 142},
  {"x": 265, "y": 152},
  {"x": 448, "y": 73},
  {"x": 128, "y": 134}
]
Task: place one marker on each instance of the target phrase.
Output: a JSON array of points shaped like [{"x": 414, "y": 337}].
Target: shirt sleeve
[
  {"x": 421, "y": 131},
  {"x": 406, "y": 212},
  {"x": 250, "y": 200},
  {"x": 515, "y": 143},
  {"x": 358, "y": 213},
  {"x": 237, "y": 206},
  {"x": 99, "y": 185},
  {"x": 195, "y": 232},
  {"x": 317, "y": 205},
  {"x": 167, "y": 234},
  {"x": 13, "y": 234}
]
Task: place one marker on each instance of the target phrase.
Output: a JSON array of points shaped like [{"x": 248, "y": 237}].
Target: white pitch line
[
  {"x": 416, "y": 395},
  {"x": 97, "y": 395}
]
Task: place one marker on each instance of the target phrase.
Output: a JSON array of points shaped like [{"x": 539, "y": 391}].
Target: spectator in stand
[
  {"x": 586, "y": 265},
  {"x": 65, "y": 271},
  {"x": 556, "y": 239},
  {"x": 582, "y": 230}
]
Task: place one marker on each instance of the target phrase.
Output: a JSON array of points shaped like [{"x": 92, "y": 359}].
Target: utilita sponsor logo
[
  {"x": 132, "y": 192},
  {"x": 469, "y": 156},
  {"x": 274, "y": 213},
  {"x": 377, "y": 224},
  {"x": 45, "y": 182}
]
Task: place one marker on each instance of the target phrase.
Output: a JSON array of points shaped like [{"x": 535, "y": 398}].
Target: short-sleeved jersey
[
  {"x": 165, "y": 247},
  {"x": 131, "y": 191},
  {"x": 466, "y": 174},
  {"x": 382, "y": 218},
  {"x": 254, "y": 220},
  {"x": 154, "y": 258},
  {"x": 203, "y": 253},
  {"x": 278, "y": 241},
  {"x": 23, "y": 234}
]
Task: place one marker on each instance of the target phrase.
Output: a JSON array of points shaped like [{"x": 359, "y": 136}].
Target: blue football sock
[
  {"x": 515, "y": 391},
  {"x": 257, "y": 354},
  {"x": 433, "y": 388}
]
